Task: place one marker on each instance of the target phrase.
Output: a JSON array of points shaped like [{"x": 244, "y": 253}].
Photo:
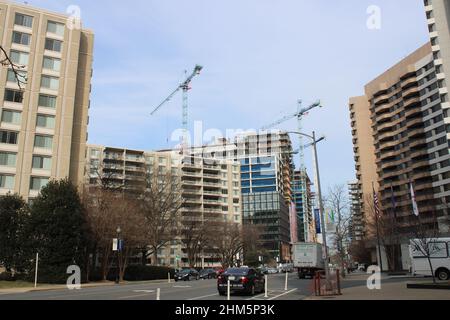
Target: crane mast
[{"x": 185, "y": 87}]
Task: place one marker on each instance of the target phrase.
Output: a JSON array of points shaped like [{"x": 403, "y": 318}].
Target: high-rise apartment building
[
  {"x": 43, "y": 130},
  {"x": 409, "y": 140},
  {"x": 365, "y": 159},
  {"x": 266, "y": 172},
  {"x": 210, "y": 189},
  {"x": 356, "y": 223},
  {"x": 305, "y": 217},
  {"x": 438, "y": 20}
]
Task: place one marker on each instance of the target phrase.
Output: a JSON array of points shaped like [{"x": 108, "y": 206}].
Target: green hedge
[{"x": 143, "y": 273}]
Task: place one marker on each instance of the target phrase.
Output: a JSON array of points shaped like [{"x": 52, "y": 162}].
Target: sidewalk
[
  {"x": 44, "y": 287},
  {"x": 389, "y": 291}
]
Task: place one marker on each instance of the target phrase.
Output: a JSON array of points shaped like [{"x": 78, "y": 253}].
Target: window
[
  {"x": 438, "y": 250},
  {"x": 50, "y": 82},
  {"x": 20, "y": 58},
  {"x": 52, "y": 64},
  {"x": 53, "y": 45},
  {"x": 23, "y": 20},
  {"x": 44, "y": 142},
  {"x": 21, "y": 38},
  {"x": 56, "y": 28},
  {"x": 38, "y": 183},
  {"x": 163, "y": 161},
  {"x": 45, "y": 122},
  {"x": 47, "y": 101},
  {"x": 13, "y": 117},
  {"x": 8, "y": 137},
  {"x": 12, "y": 76},
  {"x": 8, "y": 159},
  {"x": 42, "y": 163},
  {"x": 95, "y": 153},
  {"x": 6, "y": 182}
]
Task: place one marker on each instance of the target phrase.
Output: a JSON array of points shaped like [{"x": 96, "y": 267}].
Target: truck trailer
[{"x": 307, "y": 259}]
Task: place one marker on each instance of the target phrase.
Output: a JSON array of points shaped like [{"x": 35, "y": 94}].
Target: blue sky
[{"x": 259, "y": 57}]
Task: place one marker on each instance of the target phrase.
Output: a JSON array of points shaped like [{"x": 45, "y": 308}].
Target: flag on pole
[
  {"x": 332, "y": 216},
  {"x": 414, "y": 202},
  {"x": 376, "y": 204}
]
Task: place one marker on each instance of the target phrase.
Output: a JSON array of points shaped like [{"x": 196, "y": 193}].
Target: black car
[
  {"x": 187, "y": 275},
  {"x": 245, "y": 280},
  {"x": 207, "y": 274}
]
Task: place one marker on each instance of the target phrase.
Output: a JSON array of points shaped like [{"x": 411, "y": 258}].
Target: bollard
[
  {"x": 36, "y": 271},
  {"x": 168, "y": 274},
  {"x": 158, "y": 294},
  {"x": 286, "y": 282},
  {"x": 228, "y": 290},
  {"x": 266, "y": 295}
]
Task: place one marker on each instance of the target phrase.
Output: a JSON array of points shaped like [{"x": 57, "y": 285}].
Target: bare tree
[
  {"x": 252, "y": 244},
  {"x": 196, "y": 236},
  {"x": 130, "y": 220},
  {"x": 160, "y": 203},
  {"x": 106, "y": 211},
  {"x": 5, "y": 61},
  {"x": 228, "y": 242},
  {"x": 338, "y": 202},
  {"x": 425, "y": 239}
]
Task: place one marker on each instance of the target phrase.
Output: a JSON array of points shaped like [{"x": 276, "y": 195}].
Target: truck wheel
[{"x": 443, "y": 274}]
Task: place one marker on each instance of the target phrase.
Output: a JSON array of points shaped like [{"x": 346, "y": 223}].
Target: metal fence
[{"x": 321, "y": 288}]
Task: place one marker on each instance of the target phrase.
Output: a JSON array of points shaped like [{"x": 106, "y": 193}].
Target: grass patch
[{"x": 15, "y": 284}]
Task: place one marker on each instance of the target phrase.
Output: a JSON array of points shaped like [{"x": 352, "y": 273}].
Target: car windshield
[{"x": 239, "y": 271}]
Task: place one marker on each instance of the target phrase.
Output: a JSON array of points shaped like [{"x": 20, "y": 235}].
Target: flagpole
[{"x": 376, "y": 207}]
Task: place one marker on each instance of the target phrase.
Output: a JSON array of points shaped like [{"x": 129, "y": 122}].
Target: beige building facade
[
  {"x": 211, "y": 190},
  {"x": 43, "y": 130},
  {"x": 401, "y": 130}
]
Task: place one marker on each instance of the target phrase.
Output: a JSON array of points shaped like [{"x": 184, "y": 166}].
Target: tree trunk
[
  {"x": 144, "y": 257},
  {"x": 431, "y": 268},
  {"x": 155, "y": 257}
]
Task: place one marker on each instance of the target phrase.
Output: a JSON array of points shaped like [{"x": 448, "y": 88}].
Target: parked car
[
  {"x": 219, "y": 271},
  {"x": 272, "y": 270},
  {"x": 244, "y": 280},
  {"x": 187, "y": 275},
  {"x": 207, "y": 274}
]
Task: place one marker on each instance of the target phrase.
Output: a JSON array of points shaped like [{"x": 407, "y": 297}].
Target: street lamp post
[
  {"x": 319, "y": 194},
  {"x": 119, "y": 230}
]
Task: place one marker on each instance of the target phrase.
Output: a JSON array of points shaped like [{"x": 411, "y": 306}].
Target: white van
[{"x": 440, "y": 259}]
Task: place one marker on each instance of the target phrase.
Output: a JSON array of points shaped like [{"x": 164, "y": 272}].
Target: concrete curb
[{"x": 428, "y": 286}]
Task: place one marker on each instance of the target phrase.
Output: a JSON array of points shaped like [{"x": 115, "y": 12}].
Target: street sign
[
  {"x": 121, "y": 244},
  {"x": 115, "y": 244}
]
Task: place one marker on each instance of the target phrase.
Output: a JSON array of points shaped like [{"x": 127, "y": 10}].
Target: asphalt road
[{"x": 189, "y": 290}]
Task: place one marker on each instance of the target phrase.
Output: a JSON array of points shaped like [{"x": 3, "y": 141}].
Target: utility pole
[{"x": 324, "y": 233}]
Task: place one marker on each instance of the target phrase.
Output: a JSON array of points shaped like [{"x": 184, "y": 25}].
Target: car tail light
[
  {"x": 244, "y": 280},
  {"x": 220, "y": 279}
]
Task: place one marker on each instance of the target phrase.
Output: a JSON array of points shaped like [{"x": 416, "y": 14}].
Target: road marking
[
  {"x": 181, "y": 287},
  {"x": 198, "y": 298},
  {"x": 146, "y": 291},
  {"x": 283, "y": 294},
  {"x": 135, "y": 296}
]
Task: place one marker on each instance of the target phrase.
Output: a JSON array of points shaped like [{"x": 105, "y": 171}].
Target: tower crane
[
  {"x": 185, "y": 87},
  {"x": 301, "y": 112}
]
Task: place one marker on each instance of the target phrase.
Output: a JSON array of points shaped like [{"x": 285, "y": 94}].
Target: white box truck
[
  {"x": 307, "y": 259},
  {"x": 440, "y": 258}
]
